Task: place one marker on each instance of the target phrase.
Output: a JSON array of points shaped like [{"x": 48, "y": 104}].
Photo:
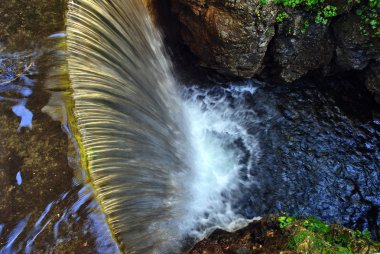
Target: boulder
[{"x": 229, "y": 36}]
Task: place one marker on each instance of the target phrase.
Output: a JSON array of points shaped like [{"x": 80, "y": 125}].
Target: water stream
[
  {"x": 167, "y": 162},
  {"x": 152, "y": 158}
]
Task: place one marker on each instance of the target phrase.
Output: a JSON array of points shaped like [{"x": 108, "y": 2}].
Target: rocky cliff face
[
  {"x": 373, "y": 79},
  {"x": 226, "y": 35},
  {"x": 247, "y": 38}
]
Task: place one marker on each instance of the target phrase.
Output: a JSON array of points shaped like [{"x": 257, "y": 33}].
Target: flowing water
[
  {"x": 149, "y": 165},
  {"x": 165, "y": 163},
  {"x": 129, "y": 117}
]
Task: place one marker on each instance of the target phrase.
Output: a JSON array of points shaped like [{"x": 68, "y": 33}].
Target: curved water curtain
[{"x": 128, "y": 115}]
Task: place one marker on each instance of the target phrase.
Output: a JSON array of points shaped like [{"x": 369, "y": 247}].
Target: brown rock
[{"x": 229, "y": 36}]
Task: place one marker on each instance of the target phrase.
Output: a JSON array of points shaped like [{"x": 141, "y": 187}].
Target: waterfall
[
  {"x": 127, "y": 110},
  {"x": 154, "y": 170}
]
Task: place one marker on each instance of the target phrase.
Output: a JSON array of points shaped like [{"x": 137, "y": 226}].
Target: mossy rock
[{"x": 288, "y": 235}]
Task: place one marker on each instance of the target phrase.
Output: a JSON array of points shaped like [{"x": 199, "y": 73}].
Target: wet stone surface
[
  {"x": 43, "y": 207},
  {"x": 26, "y": 23},
  {"x": 326, "y": 155}
]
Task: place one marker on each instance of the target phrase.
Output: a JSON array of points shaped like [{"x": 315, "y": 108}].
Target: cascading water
[
  {"x": 158, "y": 165},
  {"x": 128, "y": 115},
  {"x": 167, "y": 166}
]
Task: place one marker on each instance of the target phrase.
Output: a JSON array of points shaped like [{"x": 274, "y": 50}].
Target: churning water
[
  {"x": 163, "y": 169},
  {"x": 169, "y": 163},
  {"x": 224, "y": 152}
]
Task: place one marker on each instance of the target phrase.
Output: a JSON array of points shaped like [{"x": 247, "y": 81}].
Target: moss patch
[
  {"x": 288, "y": 235},
  {"x": 311, "y": 235}
]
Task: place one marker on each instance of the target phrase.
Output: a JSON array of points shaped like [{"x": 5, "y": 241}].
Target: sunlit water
[
  {"x": 250, "y": 149},
  {"x": 163, "y": 168}
]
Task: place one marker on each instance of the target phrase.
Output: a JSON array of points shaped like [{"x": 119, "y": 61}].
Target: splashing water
[
  {"x": 162, "y": 169},
  {"x": 223, "y": 147}
]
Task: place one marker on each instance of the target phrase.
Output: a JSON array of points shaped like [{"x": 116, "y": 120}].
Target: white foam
[{"x": 214, "y": 128}]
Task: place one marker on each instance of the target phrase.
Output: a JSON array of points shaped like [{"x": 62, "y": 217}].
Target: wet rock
[
  {"x": 373, "y": 79},
  {"x": 297, "y": 51},
  {"x": 354, "y": 48},
  {"x": 252, "y": 238},
  {"x": 246, "y": 39},
  {"x": 36, "y": 19},
  {"x": 229, "y": 36}
]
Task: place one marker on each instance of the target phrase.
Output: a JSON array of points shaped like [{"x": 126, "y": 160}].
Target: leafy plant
[
  {"x": 281, "y": 16},
  {"x": 329, "y": 11},
  {"x": 285, "y": 221},
  {"x": 319, "y": 19},
  {"x": 323, "y": 15}
]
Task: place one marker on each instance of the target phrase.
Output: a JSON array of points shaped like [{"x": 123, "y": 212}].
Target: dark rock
[
  {"x": 297, "y": 52},
  {"x": 246, "y": 39},
  {"x": 354, "y": 48},
  {"x": 373, "y": 79},
  {"x": 229, "y": 36}
]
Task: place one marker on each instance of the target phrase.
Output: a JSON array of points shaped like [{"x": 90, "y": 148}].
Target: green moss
[{"x": 311, "y": 235}]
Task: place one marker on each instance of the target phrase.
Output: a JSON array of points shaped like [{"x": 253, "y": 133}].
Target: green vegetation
[
  {"x": 305, "y": 27},
  {"x": 296, "y": 3},
  {"x": 285, "y": 221},
  {"x": 313, "y": 236},
  {"x": 370, "y": 17},
  {"x": 281, "y": 16},
  {"x": 322, "y": 12}
]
